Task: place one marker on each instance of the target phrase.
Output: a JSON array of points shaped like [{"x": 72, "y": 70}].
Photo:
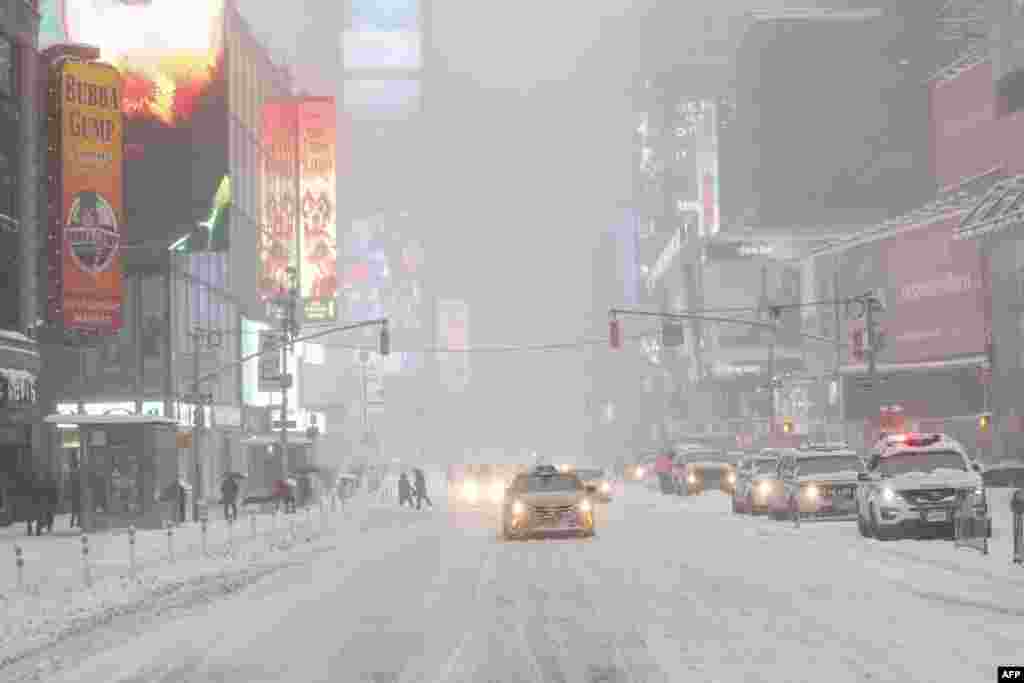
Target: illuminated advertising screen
[
  {"x": 318, "y": 187},
  {"x": 381, "y": 276},
  {"x": 86, "y": 226},
  {"x": 170, "y": 55},
  {"x": 277, "y": 243},
  {"x": 383, "y": 34}
]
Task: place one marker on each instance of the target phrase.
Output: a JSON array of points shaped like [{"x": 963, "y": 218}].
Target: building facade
[
  {"x": 19, "y": 177},
  {"x": 190, "y": 266}
]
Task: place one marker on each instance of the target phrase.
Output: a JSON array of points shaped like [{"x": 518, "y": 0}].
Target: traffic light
[
  {"x": 614, "y": 334},
  {"x": 787, "y": 425},
  {"x": 983, "y": 422},
  {"x": 385, "y": 340}
]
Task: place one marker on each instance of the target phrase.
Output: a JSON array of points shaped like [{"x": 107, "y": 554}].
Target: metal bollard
[
  {"x": 170, "y": 542},
  {"x": 19, "y": 562},
  {"x": 86, "y": 568},
  {"x": 1017, "y": 508},
  {"x": 202, "y": 533},
  {"x": 231, "y": 536},
  {"x": 131, "y": 549}
]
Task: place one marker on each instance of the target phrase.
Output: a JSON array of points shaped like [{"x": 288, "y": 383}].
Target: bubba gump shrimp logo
[{"x": 92, "y": 233}]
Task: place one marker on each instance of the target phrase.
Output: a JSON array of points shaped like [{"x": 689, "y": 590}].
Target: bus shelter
[{"x": 127, "y": 469}]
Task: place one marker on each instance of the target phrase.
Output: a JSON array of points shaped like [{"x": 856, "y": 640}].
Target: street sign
[{"x": 270, "y": 361}]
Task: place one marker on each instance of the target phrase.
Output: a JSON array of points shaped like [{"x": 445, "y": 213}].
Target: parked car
[
  {"x": 823, "y": 483},
  {"x": 598, "y": 482},
  {"x": 757, "y": 483},
  {"x": 916, "y": 484}
]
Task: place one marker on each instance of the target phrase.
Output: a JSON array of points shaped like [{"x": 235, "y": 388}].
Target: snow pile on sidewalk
[{"x": 51, "y": 611}]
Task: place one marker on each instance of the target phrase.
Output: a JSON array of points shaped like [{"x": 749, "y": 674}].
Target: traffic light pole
[{"x": 197, "y": 414}]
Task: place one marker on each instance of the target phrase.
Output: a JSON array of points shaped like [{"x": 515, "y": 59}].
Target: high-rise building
[
  {"x": 192, "y": 156},
  {"x": 19, "y": 176}
]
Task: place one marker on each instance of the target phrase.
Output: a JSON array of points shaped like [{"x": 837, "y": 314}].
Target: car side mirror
[{"x": 863, "y": 476}]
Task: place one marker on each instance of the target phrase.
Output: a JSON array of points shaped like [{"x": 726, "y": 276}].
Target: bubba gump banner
[{"x": 89, "y": 160}]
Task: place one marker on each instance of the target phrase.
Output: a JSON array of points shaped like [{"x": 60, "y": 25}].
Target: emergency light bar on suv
[{"x": 913, "y": 440}]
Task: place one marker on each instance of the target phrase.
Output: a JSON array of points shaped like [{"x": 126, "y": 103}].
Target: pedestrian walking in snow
[
  {"x": 421, "y": 489},
  {"x": 404, "y": 490},
  {"x": 75, "y": 486},
  {"x": 229, "y": 496}
]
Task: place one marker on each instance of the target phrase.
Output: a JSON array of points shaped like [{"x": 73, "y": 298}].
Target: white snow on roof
[{"x": 11, "y": 335}]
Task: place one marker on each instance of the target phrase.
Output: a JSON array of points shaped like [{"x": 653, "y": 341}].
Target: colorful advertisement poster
[
  {"x": 277, "y": 240},
  {"x": 318, "y": 241},
  {"x": 707, "y": 168},
  {"x": 932, "y": 290},
  {"x": 90, "y": 221}
]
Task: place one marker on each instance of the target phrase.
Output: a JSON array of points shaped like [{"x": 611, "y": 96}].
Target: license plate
[{"x": 936, "y": 516}]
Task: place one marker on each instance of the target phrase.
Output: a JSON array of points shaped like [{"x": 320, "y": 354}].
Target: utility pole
[
  {"x": 837, "y": 376},
  {"x": 197, "y": 419},
  {"x": 289, "y": 332}
]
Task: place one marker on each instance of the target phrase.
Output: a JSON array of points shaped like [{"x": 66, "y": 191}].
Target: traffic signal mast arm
[{"x": 383, "y": 322}]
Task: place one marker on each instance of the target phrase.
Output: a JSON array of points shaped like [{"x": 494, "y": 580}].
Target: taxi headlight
[
  {"x": 811, "y": 491},
  {"x": 518, "y": 508},
  {"x": 606, "y": 487},
  {"x": 692, "y": 479},
  {"x": 732, "y": 478},
  {"x": 497, "y": 492},
  {"x": 888, "y": 495},
  {"x": 470, "y": 491},
  {"x": 585, "y": 505},
  {"x": 764, "y": 488}
]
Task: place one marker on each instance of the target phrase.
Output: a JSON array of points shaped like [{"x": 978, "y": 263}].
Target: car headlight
[
  {"x": 732, "y": 478},
  {"x": 764, "y": 487},
  {"x": 518, "y": 508},
  {"x": 606, "y": 487},
  {"x": 640, "y": 471},
  {"x": 497, "y": 492},
  {"x": 979, "y": 491},
  {"x": 888, "y": 495},
  {"x": 585, "y": 505},
  {"x": 692, "y": 479},
  {"x": 564, "y": 468},
  {"x": 811, "y": 491},
  {"x": 470, "y": 491}
]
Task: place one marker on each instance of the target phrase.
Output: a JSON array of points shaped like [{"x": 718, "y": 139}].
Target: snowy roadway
[{"x": 670, "y": 590}]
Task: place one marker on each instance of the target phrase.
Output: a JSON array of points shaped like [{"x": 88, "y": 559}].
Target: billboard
[
  {"x": 962, "y": 112},
  {"x": 171, "y": 58},
  {"x": 87, "y": 191},
  {"x": 318, "y": 271},
  {"x": 707, "y": 168},
  {"x": 931, "y": 286},
  {"x": 383, "y": 35},
  {"x": 453, "y": 327},
  {"x": 277, "y": 241}
]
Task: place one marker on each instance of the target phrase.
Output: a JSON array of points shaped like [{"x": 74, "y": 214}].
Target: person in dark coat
[
  {"x": 75, "y": 494},
  {"x": 404, "y": 490},
  {"x": 51, "y": 501},
  {"x": 229, "y": 494},
  {"x": 421, "y": 489}
]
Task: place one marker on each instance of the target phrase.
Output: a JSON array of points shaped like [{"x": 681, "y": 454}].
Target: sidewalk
[{"x": 54, "y": 562}]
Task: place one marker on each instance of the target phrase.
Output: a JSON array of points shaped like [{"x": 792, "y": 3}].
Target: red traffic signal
[{"x": 614, "y": 334}]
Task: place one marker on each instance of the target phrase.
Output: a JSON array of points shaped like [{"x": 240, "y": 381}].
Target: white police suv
[{"x": 914, "y": 484}]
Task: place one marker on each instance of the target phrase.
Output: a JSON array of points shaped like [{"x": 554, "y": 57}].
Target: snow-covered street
[{"x": 670, "y": 590}]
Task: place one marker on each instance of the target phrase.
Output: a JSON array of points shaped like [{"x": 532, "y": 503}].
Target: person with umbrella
[
  {"x": 421, "y": 489},
  {"x": 229, "y": 495}
]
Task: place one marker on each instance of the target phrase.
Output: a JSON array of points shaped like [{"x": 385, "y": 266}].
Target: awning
[{"x": 999, "y": 209}]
